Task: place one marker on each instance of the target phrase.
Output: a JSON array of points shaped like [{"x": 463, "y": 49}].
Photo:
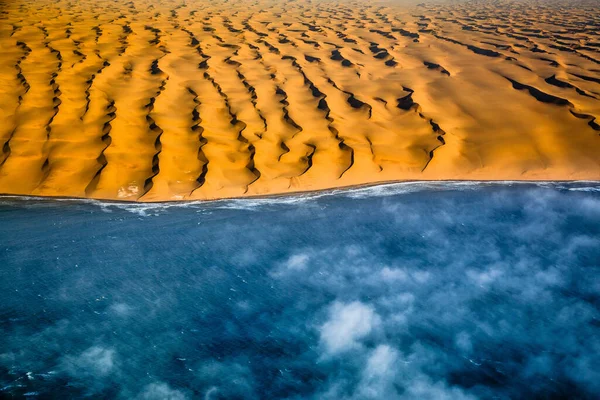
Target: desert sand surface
[{"x": 148, "y": 100}]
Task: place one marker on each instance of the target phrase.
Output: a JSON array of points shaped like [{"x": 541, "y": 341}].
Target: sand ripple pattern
[{"x": 193, "y": 100}]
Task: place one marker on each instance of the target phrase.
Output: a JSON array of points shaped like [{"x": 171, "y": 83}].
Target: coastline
[{"x": 310, "y": 194}]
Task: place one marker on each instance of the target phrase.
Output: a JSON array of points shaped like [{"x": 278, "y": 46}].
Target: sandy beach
[{"x": 192, "y": 100}]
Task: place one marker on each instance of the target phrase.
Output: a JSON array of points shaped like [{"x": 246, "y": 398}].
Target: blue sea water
[{"x": 402, "y": 291}]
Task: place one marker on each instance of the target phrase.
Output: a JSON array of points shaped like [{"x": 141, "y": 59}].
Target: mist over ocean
[{"x": 403, "y": 291}]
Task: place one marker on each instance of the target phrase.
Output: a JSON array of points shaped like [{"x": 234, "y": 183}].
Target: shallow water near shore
[{"x": 422, "y": 290}]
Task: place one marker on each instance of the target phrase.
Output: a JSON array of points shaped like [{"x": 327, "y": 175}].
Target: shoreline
[{"x": 300, "y": 193}]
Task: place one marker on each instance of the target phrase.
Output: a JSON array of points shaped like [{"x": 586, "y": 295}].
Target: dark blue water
[{"x": 415, "y": 291}]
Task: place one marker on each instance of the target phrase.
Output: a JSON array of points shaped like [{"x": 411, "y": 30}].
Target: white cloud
[
  {"x": 297, "y": 262},
  {"x": 96, "y": 361},
  {"x": 380, "y": 362},
  {"x": 121, "y": 309},
  {"x": 393, "y": 274},
  {"x": 423, "y": 388},
  {"x": 160, "y": 391},
  {"x": 228, "y": 378},
  {"x": 210, "y": 392},
  {"x": 591, "y": 206},
  {"x": 347, "y": 324},
  {"x": 378, "y": 374},
  {"x": 486, "y": 276},
  {"x": 421, "y": 276}
]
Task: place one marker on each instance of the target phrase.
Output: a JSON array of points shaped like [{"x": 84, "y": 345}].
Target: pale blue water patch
[{"x": 402, "y": 291}]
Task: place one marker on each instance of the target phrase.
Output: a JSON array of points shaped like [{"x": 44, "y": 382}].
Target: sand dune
[{"x": 172, "y": 100}]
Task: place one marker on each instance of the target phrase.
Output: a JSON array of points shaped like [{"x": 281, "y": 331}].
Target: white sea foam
[
  {"x": 255, "y": 203},
  {"x": 584, "y": 189}
]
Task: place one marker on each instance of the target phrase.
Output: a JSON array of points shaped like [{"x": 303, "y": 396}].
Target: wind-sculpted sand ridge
[{"x": 192, "y": 100}]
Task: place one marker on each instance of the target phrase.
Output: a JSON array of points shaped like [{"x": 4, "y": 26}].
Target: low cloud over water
[{"x": 449, "y": 292}]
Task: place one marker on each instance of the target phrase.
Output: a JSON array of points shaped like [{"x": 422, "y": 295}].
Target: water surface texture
[{"x": 406, "y": 291}]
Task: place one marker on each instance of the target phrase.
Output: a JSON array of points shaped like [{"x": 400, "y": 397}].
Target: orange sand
[{"x": 166, "y": 100}]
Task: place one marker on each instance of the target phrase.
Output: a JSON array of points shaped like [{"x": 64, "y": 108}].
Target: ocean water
[{"x": 403, "y": 291}]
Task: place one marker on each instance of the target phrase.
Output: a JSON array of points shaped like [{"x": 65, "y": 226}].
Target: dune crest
[{"x": 185, "y": 100}]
